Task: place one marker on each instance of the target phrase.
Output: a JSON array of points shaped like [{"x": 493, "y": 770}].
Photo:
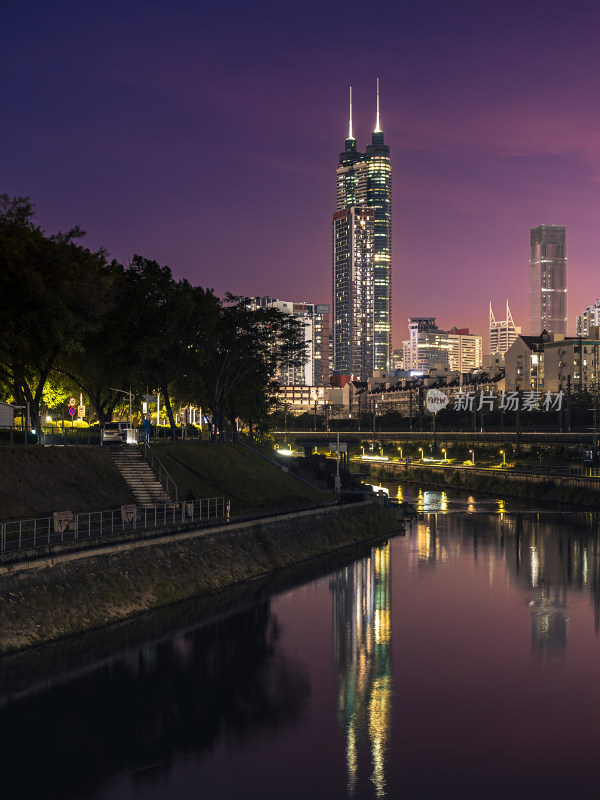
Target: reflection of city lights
[
  {"x": 424, "y": 542},
  {"x": 432, "y": 502},
  {"x": 535, "y": 566},
  {"x": 362, "y": 636},
  {"x": 444, "y": 501},
  {"x": 351, "y": 758},
  {"x": 379, "y": 724},
  {"x": 585, "y": 568}
]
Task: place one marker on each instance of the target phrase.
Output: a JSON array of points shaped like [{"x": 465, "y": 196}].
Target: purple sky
[{"x": 206, "y": 136}]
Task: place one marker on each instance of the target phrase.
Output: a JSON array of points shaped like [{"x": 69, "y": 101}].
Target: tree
[
  {"x": 106, "y": 357},
  {"x": 47, "y": 300},
  {"x": 173, "y": 328},
  {"x": 252, "y": 346}
]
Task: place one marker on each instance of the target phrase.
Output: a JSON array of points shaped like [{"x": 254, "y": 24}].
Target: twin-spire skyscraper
[{"x": 362, "y": 257}]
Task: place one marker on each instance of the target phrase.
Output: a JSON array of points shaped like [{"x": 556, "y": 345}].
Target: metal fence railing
[
  {"x": 66, "y": 527},
  {"x": 161, "y": 473}
]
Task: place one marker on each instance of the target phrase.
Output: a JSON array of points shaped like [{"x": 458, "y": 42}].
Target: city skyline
[{"x": 154, "y": 129}]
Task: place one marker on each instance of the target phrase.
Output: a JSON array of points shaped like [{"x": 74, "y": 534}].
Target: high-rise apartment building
[
  {"x": 464, "y": 350},
  {"x": 362, "y": 257},
  {"x": 548, "y": 280},
  {"x": 502, "y": 332},
  {"x": 427, "y": 345}
]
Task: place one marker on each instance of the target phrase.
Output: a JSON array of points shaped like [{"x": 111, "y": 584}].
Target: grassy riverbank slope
[
  {"x": 233, "y": 471},
  {"x": 36, "y": 481}
]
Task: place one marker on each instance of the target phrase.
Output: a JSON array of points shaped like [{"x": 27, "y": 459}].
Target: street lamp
[
  {"x": 444, "y": 452},
  {"x": 503, "y": 458},
  {"x": 130, "y": 395},
  {"x": 401, "y": 456},
  {"x": 472, "y": 456},
  {"x": 421, "y": 451}
]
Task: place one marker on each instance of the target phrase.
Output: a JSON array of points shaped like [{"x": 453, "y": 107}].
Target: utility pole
[{"x": 338, "y": 484}]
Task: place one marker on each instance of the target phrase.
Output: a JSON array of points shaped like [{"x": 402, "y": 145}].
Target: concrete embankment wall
[
  {"x": 66, "y": 593},
  {"x": 567, "y": 489}
]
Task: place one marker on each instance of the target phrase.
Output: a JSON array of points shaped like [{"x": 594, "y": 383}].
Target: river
[{"x": 460, "y": 658}]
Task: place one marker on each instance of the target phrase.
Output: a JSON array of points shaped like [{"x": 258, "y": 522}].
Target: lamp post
[
  {"x": 472, "y": 456},
  {"x": 503, "y": 458},
  {"x": 401, "y": 456},
  {"x": 444, "y": 452},
  {"x": 130, "y": 395},
  {"x": 421, "y": 451}
]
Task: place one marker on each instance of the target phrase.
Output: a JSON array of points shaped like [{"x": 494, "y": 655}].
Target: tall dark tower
[
  {"x": 362, "y": 257},
  {"x": 548, "y": 280}
]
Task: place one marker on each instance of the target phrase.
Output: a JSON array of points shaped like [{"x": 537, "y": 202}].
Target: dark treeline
[{"x": 68, "y": 314}]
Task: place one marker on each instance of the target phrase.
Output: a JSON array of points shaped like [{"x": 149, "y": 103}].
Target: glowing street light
[
  {"x": 401, "y": 456},
  {"x": 472, "y": 456},
  {"x": 503, "y": 458},
  {"x": 421, "y": 451},
  {"x": 444, "y": 452}
]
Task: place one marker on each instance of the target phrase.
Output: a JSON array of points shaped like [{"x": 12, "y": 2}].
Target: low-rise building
[
  {"x": 524, "y": 363},
  {"x": 551, "y": 362}
]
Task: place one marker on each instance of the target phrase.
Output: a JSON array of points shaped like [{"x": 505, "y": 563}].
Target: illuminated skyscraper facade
[
  {"x": 548, "y": 280},
  {"x": 362, "y": 257}
]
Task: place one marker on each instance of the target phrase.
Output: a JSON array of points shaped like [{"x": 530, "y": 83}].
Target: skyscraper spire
[
  {"x": 377, "y": 127},
  {"x": 350, "y": 136}
]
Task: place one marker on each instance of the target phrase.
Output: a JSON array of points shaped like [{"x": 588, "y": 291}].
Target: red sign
[{"x": 72, "y": 411}]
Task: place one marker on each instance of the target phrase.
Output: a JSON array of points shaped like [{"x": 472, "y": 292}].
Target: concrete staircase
[{"x": 144, "y": 485}]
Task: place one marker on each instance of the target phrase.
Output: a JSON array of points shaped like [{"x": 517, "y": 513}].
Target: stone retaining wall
[{"x": 66, "y": 593}]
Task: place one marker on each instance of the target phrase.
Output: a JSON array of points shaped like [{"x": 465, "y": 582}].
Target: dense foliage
[{"x": 70, "y": 319}]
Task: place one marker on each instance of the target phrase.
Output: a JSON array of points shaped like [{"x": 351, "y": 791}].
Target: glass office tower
[
  {"x": 364, "y": 181},
  {"x": 548, "y": 280}
]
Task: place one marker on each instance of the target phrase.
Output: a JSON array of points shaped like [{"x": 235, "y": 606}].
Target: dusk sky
[{"x": 206, "y": 136}]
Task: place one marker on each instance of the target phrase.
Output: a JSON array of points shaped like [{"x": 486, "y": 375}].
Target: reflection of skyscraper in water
[
  {"x": 549, "y": 621},
  {"x": 363, "y": 661},
  {"x": 549, "y": 607}
]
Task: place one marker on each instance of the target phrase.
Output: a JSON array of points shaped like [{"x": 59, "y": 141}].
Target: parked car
[
  {"x": 111, "y": 432},
  {"x": 116, "y": 431}
]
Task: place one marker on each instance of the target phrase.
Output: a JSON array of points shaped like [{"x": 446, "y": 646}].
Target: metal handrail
[
  {"x": 169, "y": 484},
  {"x": 31, "y": 534}
]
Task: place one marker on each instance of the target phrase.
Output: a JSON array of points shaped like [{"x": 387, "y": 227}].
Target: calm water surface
[{"x": 462, "y": 658}]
